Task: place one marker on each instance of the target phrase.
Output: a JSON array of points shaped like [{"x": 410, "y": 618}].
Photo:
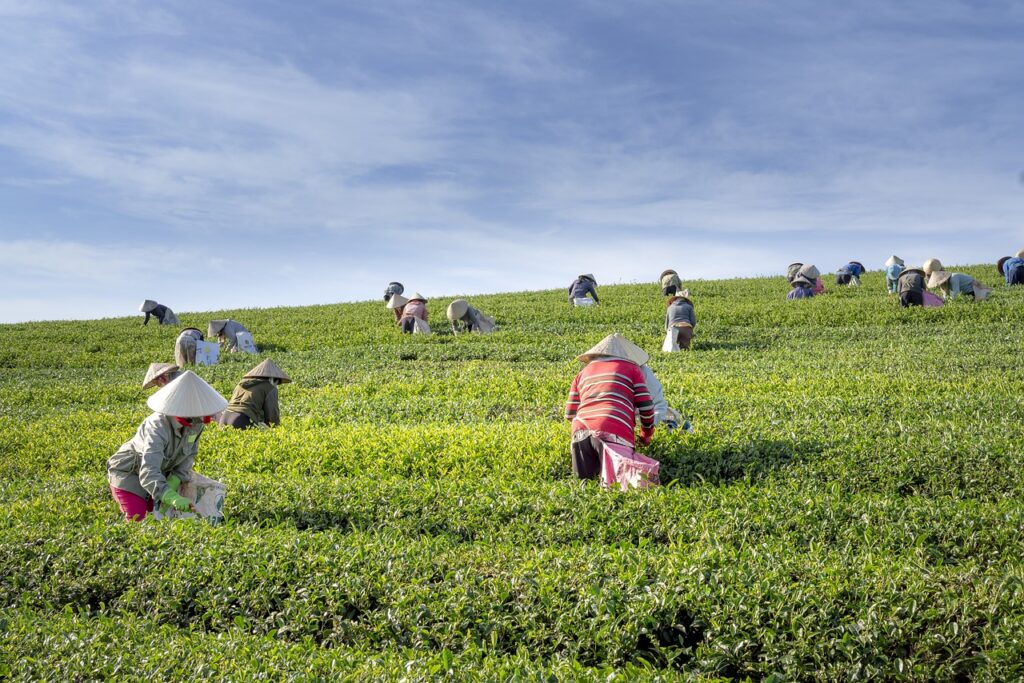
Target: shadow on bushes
[{"x": 719, "y": 463}]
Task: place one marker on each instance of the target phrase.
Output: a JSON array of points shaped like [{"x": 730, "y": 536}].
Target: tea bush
[{"x": 848, "y": 507}]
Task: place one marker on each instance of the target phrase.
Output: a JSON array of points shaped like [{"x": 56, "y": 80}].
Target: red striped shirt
[{"x": 606, "y": 396}]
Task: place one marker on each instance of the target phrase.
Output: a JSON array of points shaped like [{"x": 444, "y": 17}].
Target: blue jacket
[
  {"x": 851, "y": 268},
  {"x": 1011, "y": 264},
  {"x": 800, "y": 292},
  {"x": 892, "y": 274}
]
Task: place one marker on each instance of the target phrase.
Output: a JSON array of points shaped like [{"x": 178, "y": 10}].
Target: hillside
[{"x": 849, "y": 506}]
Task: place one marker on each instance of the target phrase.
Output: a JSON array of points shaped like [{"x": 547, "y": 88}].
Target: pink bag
[
  {"x": 931, "y": 300},
  {"x": 624, "y": 466}
]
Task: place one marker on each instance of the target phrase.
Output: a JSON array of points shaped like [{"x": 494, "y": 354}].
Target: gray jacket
[
  {"x": 161, "y": 447},
  {"x": 679, "y": 312}
]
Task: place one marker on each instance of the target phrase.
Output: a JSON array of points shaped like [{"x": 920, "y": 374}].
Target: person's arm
[
  {"x": 146, "y": 321},
  {"x": 644, "y": 401},
  {"x": 154, "y": 440},
  {"x": 692, "y": 317},
  {"x": 271, "y": 409},
  {"x": 593, "y": 292},
  {"x": 573, "y": 402},
  {"x": 668, "y": 318}
]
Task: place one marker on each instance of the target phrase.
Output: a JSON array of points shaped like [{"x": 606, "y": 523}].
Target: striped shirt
[{"x": 607, "y": 395}]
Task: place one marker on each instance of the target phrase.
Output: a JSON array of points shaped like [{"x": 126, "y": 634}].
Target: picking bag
[
  {"x": 245, "y": 342},
  {"x": 205, "y": 493},
  {"x": 420, "y": 326},
  {"x": 207, "y": 353},
  {"x": 931, "y": 300},
  {"x": 671, "y": 341},
  {"x": 623, "y": 466}
]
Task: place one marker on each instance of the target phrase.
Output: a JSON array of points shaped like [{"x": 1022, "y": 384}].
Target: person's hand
[
  {"x": 179, "y": 503},
  {"x": 645, "y": 436},
  {"x": 173, "y": 482}
]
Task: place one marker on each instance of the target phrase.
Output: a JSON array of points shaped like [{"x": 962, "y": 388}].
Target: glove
[
  {"x": 173, "y": 482},
  {"x": 179, "y": 503},
  {"x": 645, "y": 436}
]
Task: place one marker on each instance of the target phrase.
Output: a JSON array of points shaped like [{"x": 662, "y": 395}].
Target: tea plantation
[{"x": 849, "y": 506}]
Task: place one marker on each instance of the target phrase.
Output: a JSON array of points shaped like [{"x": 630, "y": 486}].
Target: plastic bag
[
  {"x": 623, "y": 466},
  {"x": 245, "y": 342},
  {"x": 583, "y": 301},
  {"x": 420, "y": 326},
  {"x": 671, "y": 341},
  {"x": 206, "y": 494},
  {"x": 207, "y": 353},
  {"x": 931, "y": 300}
]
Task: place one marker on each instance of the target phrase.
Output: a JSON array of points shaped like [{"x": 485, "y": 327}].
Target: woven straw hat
[
  {"x": 397, "y": 301},
  {"x": 187, "y": 396},
  {"x": 667, "y": 272},
  {"x": 155, "y": 370},
  {"x": 215, "y": 326},
  {"x": 587, "y": 276},
  {"x": 932, "y": 264},
  {"x": 938, "y": 278},
  {"x": 268, "y": 369},
  {"x": 810, "y": 271},
  {"x": 616, "y": 346},
  {"x": 999, "y": 264},
  {"x": 147, "y": 306},
  {"x": 1020, "y": 254},
  {"x": 457, "y": 309},
  {"x": 416, "y": 296},
  {"x": 795, "y": 263},
  {"x": 801, "y": 280},
  {"x": 894, "y": 260}
]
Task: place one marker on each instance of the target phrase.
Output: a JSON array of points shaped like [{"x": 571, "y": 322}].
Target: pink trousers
[{"x": 133, "y": 507}]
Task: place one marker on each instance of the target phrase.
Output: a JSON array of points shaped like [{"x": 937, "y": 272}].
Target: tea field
[{"x": 850, "y": 505}]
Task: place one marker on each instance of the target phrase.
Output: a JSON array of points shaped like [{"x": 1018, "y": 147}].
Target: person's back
[
  {"x": 1012, "y": 270},
  {"x": 581, "y": 287},
  {"x": 680, "y": 311},
  {"x": 257, "y": 398},
  {"x": 605, "y": 397}
]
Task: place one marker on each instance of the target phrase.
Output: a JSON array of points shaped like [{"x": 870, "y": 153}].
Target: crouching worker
[
  {"x": 811, "y": 273},
  {"x": 159, "y": 458},
  {"x": 163, "y": 315},
  {"x": 582, "y": 287},
  {"x": 800, "y": 288},
  {"x": 227, "y": 331},
  {"x": 1012, "y": 268},
  {"x": 680, "y": 321},
  {"x": 411, "y": 313},
  {"x": 910, "y": 287},
  {"x": 670, "y": 282},
  {"x": 791, "y": 271},
  {"x": 893, "y": 267},
  {"x": 160, "y": 375},
  {"x": 464, "y": 317},
  {"x": 254, "y": 402},
  {"x": 850, "y": 274},
  {"x": 185, "y": 346},
  {"x": 604, "y": 400},
  {"x": 953, "y": 285}
]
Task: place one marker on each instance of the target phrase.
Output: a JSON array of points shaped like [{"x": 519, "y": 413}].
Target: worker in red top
[{"x": 604, "y": 401}]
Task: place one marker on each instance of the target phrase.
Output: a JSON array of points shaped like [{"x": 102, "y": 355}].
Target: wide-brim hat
[
  {"x": 215, "y": 326},
  {"x": 155, "y": 370},
  {"x": 938, "y": 278},
  {"x": 801, "y": 280},
  {"x": 908, "y": 271},
  {"x": 188, "y": 395},
  {"x": 1020, "y": 254},
  {"x": 798, "y": 264},
  {"x": 457, "y": 309},
  {"x": 894, "y": 260},
  {"x": 147, "y": 306},
  {"x": 616, "y": 346},
  {"x": 587, "y": 276},
  {"x": 858, "y": 263},
  {"x": 809, "y": 271},
  {"x": 397, "y": 301},
  {"x": 667, "y": 272},
  {"x": 999, "y": 264},
  {"x": 416, "y": 296},
  {"x": 268, "y": 369},
  {"x": 931, "y": 264}
]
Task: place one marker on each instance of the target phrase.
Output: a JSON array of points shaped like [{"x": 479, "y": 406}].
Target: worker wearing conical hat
[
  {"x": 464, "y": 317},
  {"x": 582, "y": 287},
  {"x": 953, "y": 285},
  {"x": 680, "y": 317},
  {"x": 930, "y": 266},
  {"x": 185, "y": 346},
  {"x": 800, "y": 288},
  {"x": 413, "y": 315},
  {"x": 604, "y": 401},
  {"x": 226, "y": 332},
  {"x": 670, "y": 282},
  {"x": 849, "y": 274},
  {"x": 160, "y": 374},
  {"x": 810, "y": 272},
  {"x": 392, "y": 289},
  {"x": 151, "y": 465},
  {"x": 792, "y": 270},
  {"x": 893, "y": 267},
  {"x": 163, "y": 315},
  {"x": 254, "y": 401},
  {"x": 396, "y": 303},
  {"x": 1012, "y": 268},
  {"x": 910, "y": 286}
]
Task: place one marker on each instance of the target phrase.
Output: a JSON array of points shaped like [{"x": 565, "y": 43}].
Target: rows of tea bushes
[{"x": 847, "y": 508}]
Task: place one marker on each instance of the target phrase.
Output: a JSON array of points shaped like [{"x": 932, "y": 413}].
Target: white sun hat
[
  {"x": 269, "y": 370},
  {"x": 809, "y": 271},
  {"x": 417, "y": 295},
  {"x": 396, "y": 301},
  {"x": 187, "y": 396},
  {"x": 155, "y": 370},
  {"x": 147, "y": 306},
  {"x": 894, "y": 260},
  {"x": 930, "y": 265},
  {"x": 457, "y": 309},
  {"x": 938, "y": 278},
  {"x": 616, "y": 346}
]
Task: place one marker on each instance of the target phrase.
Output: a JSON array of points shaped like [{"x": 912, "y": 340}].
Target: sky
[{"x": 213, "y": 154}]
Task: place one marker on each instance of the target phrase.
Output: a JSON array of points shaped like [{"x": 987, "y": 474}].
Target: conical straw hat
[
  {"x": 894, "y": 260},
  {"x": 801, "y": 280},
  {"x": 667, "y": 272},
  {"x": 457, "y": 309},
  {"x": 155, "y": 370},
  {"x": 1020, "y": 254},
  {"x": 397, "y": 301},
  {"x": 1001, "y": 262},
  {"x": 587, "y": 276},
  {"x": 616, "y": 346},
  {"x": 938, "y": 277},
  {"x": 932, "y": 264},
  {"x": 809, "y": 271},
  {"x": 147, "y": 306},
  {"x": 795, "y": 263},
  {"x": 187, "y": 396},
  {"x": 215, "y": 326},
  {"x": 416, "y": 296},
  {"x": 909, "y": 271},
  {"x": 269, "y": 369}
]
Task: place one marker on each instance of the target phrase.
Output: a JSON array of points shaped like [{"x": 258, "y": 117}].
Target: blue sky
[{"x": 233, "y": 154}]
